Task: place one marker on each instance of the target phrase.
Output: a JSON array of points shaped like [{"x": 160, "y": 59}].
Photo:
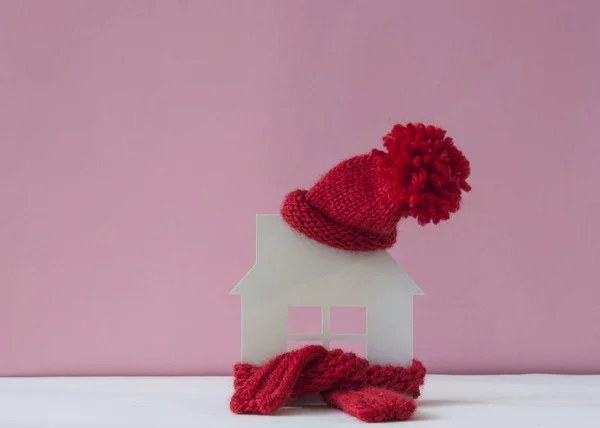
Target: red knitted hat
[{"x": 357, "y": 205}]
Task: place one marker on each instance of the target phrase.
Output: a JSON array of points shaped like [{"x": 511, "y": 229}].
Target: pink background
[{"x": 138, "y": 139}]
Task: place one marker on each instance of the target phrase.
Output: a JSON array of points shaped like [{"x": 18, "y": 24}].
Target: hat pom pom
[{"x": 427, "y": 172}]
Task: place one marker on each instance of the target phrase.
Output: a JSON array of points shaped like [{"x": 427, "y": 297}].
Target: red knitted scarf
[{"x": 370, "y": 393}]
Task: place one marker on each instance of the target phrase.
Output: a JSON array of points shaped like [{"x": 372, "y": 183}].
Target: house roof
[{"x": 286, "y": 260}]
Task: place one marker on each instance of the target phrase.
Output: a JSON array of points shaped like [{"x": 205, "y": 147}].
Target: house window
[
  {"x": 296, "y": 344},
  {"x": 348, "y": 320},
  {"x": 343, "y": 327},
  {"x": 359, "y": 347},
  {"x": 305, "y": 320}
]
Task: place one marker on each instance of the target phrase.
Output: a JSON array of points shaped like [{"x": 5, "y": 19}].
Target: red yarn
[
  {"x": 428, "y": 173},
  {"x": 346, "y": 381},
  {"x": 302, "y": 216},
  {"x": 349, "y": 208},
  {"x": 373, "y": 404},
  {"x": 356, "y": 206}
]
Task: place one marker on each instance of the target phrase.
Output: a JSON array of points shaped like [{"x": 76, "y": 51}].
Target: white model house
[{"x": 293, "y": 271}]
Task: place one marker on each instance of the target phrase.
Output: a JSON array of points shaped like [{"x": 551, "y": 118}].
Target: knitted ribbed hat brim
[{"x": 304, "y": 218}]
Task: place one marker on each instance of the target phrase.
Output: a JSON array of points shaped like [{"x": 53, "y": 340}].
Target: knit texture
[
  {"x": 369, "y": 392},
  {"x": 372, "y": 404},
  {"x": 357, "y": 205}
]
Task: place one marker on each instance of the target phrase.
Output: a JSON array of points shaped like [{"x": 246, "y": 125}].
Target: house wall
[
  {"x": 264, "y": 329},
  {"x": 390, "y": 331}
]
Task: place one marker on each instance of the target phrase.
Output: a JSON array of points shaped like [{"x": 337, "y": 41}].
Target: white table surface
[{"x": 542, "y": 401}]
